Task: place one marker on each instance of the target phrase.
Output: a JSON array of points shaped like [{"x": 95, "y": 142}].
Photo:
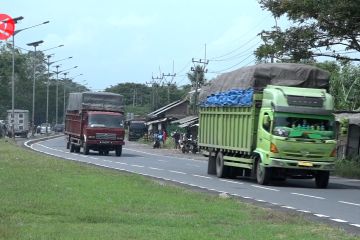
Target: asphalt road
[{"x": 339, "y": 204}]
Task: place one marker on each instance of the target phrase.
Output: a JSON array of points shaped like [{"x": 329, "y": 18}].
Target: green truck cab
[{"x": 287, "y": 132}]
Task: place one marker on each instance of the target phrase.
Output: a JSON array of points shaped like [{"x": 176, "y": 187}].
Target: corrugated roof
[
  {"x": 185, "y": 119},
  {"x": 165, "y": 108},
  {"x": 354, "y": 118}
]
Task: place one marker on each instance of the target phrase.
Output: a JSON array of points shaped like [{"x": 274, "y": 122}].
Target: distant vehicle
[
  {"x": 95, "y": 121},
  {"x": 59, "y": 128},
  {"x": 137, "y": 129},
  {"x": 43, "y": 128},
  {"x": 20, "y": 121}
]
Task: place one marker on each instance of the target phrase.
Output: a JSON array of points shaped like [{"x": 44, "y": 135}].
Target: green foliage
[
  {"x": 24, "y": 73},
  {"x": 318, "y": 28},
  {"x": 344, "y": 84},
  {"x": 348, "y": 168}
]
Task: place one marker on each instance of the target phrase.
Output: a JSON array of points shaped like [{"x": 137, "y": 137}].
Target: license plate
[
  {"x": 305, "y": 164},
  {"x": 104, "y": 142}
]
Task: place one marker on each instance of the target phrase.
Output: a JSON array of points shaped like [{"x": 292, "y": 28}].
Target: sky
[{"x": 115, "y": 41}]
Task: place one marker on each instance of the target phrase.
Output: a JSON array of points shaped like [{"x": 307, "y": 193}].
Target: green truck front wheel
[
  {"x": 322, "y": 179},
  {"x": 263, "y": 174}
]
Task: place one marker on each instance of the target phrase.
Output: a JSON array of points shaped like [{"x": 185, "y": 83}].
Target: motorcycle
[{"x": 157, "y": 142}]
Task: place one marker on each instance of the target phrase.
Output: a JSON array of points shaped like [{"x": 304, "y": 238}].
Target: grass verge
[
  {"x": 47, "y": 198},
  {"x": 347, "y": 168}
]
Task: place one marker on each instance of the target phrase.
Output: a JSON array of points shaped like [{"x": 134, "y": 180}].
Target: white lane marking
[
  {"x": 338, "y": 220},
  {"x": 350, "y": 203},
  {"x": 54, "y": 149},
  {"x": 305, "y": 195},
  {"x": 95, "y": 158},
  {"x": 353, "y": 180},
  {"x": 201, "y": 176},
  {"x": 259, "y": 200},
  {"x": 355, "y": 225},
  {"x": 274, "y": 203},
  {"x": 321, "y": 215},
  {"x": 177, "y": 172},
  {"x": 162, "y": 161},
  {"x": 154, "y": 168},
  {"x": 107, "y": 161},
  {"x": 193, "y": 165},
  {"x": 122, "y": 163},
  {"x": 288, "y": 207},
  {"x": 247, "y": 197},
  {"x": 266, "y": 188},
  {"x": 134, "y": 165},
  {"x": 229, "y": 181},
  {"x": 303, "y": 211},
  {"x": 159, "y": 155}
]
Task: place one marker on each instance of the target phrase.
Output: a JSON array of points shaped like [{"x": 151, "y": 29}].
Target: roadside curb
[{"x": 29, "y": 142}]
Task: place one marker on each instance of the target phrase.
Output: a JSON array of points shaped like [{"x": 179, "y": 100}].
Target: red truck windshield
[{"x": 108, "y": 121}]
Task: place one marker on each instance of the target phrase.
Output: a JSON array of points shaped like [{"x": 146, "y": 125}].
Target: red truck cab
[
  {"x": 103, "y": 132},
  {"x": 95, "y": 121}
]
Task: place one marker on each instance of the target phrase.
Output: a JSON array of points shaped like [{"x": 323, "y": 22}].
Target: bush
[{"x": 348, "y": 168}]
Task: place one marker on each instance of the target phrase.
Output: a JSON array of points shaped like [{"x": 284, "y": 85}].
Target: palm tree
[{"x": 197, "y": 79}]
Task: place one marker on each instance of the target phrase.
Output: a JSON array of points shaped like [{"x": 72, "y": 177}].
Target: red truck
[{"x": 95, "y": 121}]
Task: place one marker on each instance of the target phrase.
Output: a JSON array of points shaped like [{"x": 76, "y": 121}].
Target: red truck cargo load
[{"x": 95, "y": 121}]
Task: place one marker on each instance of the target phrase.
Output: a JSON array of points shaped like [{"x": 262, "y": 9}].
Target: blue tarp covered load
[{"x": 233, "y": 97}]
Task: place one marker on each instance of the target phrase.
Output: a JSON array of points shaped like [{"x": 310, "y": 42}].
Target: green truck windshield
[
  {"x": 108, "y": 121},
  {"x": 303, "y": 127}
]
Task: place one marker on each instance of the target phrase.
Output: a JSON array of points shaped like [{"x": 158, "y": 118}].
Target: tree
[
  {"x": 321, "y": 28},
  {"x": 197, "y": 79},
  {"x": 344, "y": 84}
]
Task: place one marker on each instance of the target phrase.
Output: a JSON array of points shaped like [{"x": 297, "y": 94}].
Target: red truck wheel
[
  {"x": 86, "y": 149},
  {"x": 118, "y": 151}
]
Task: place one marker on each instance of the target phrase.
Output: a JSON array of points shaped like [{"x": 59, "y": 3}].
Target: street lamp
[
  {"x": 34, "y": 44},
  {"x": 57, "y": 88},
  {"x": 48, "y": 84},
  {"x": 13, "y": 68}
]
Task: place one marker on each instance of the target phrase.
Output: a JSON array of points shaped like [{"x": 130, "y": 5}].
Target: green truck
[{"x": 286, "y": 130}]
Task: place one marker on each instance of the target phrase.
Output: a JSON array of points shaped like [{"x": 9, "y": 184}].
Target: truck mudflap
[{"x": 299, "y": 164}]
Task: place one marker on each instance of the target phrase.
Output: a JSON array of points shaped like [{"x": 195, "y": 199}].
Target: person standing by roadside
[
  {"x": 164, "y": 135},
  {"x": 176, "y": 137}
]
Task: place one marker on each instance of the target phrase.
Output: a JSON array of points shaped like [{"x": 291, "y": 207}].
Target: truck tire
[
  {"x": 118, "y": 151},
  {"x": 86, "y": 149},
  {"x": 211, "y": 165},
  {"x": 322, "y": 179},
  {"x": 72, "y": 147},
  {"x": 221, "y": 170},
  {"x": 77, "y": 149},
  {"x": 67, "y": 144},
  {"x": 263, "y": 174}
]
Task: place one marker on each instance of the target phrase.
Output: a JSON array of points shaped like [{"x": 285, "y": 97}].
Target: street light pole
[
  {"x": 34, "y": 44},
  {"x": 64, "y": 113},
  {"x": 13, "y": 81},
  {"x": 57, "y": 88},
  {"x": 65, "y": 74}
]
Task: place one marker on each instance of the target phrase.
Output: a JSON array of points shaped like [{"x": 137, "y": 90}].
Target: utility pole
[
  {"x": 169, "y": 82},
  {"x": 134, "y": 97},
  {"x": 198, "y": 71},
  {"x": 154, "y": 83}
]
